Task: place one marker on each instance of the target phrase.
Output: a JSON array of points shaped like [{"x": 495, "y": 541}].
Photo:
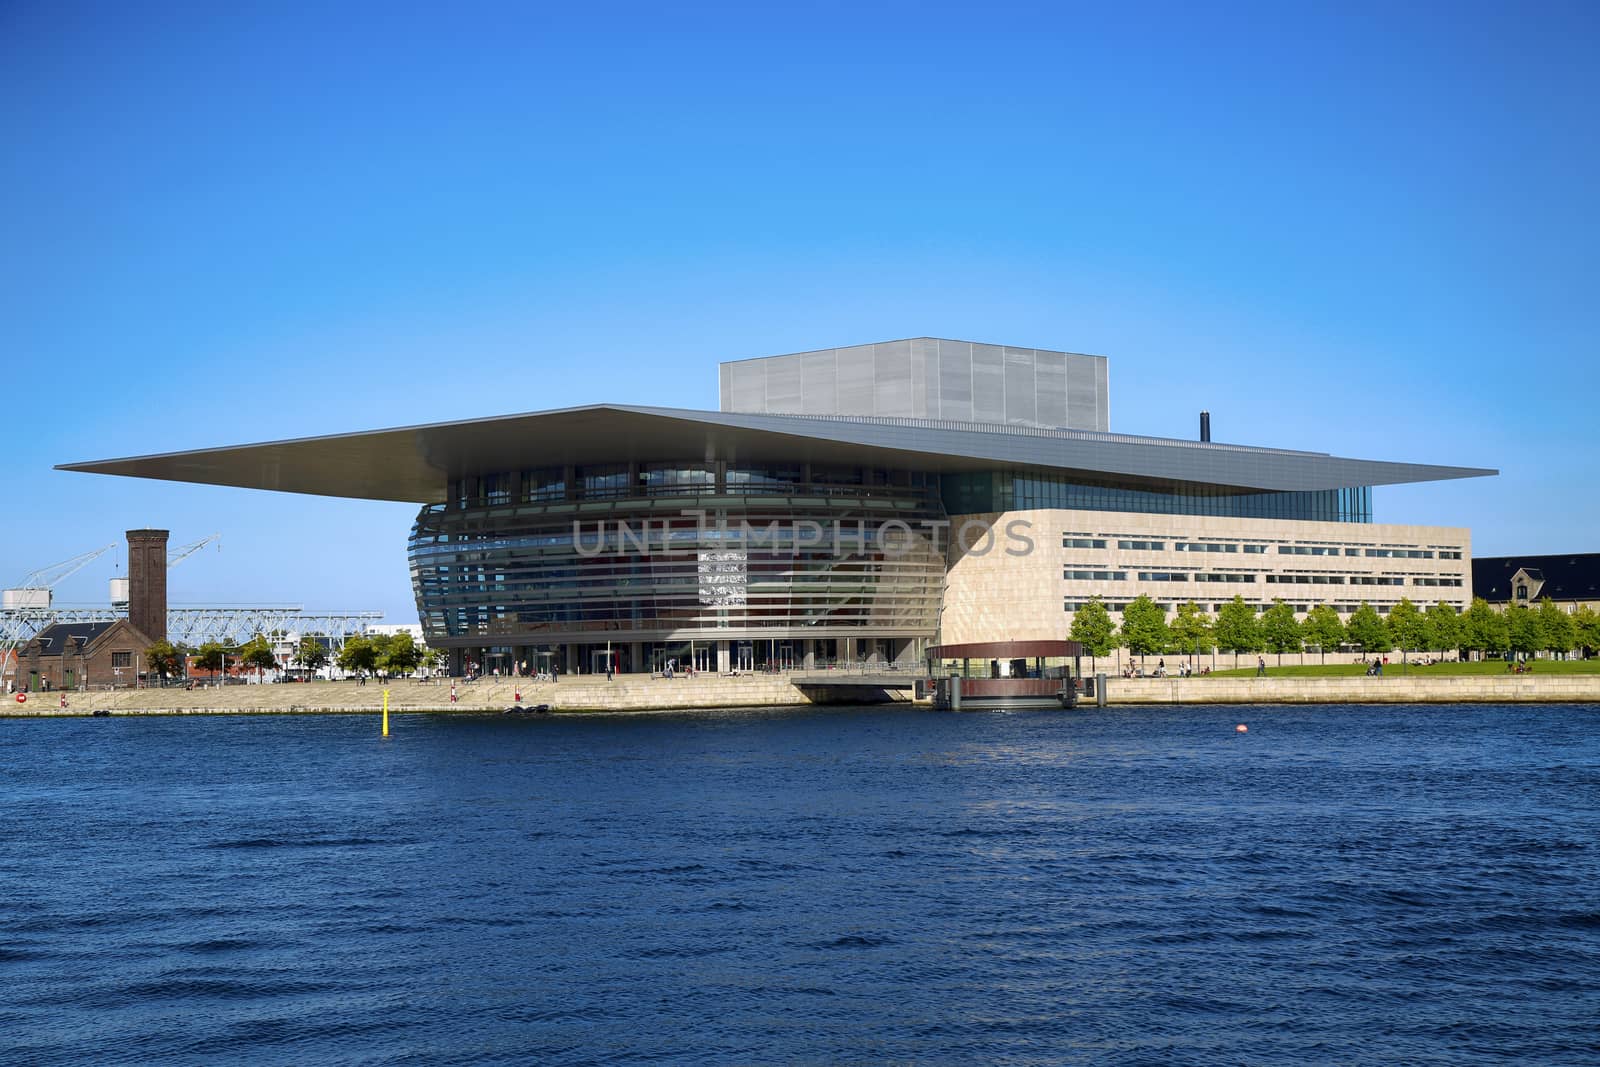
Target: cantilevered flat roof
[{"x": 416, "y": 463}]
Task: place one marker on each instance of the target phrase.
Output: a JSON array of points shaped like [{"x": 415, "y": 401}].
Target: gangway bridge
[{"x": 890, "y": 675}]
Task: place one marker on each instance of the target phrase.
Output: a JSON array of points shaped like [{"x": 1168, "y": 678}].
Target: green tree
[
  {"x": 1557, "y": 633},
  {"x": 258, "y": 653},
  {"x": 1237, "y": 629},
  {"x": 358, "y": 655},
  {"x": 1366, "y": 629},
  {"x": 1144, "y": 627},
  {"x": 380, "y": 644},
  {"x": 1586, "y": 629},
  {"x": 1444, "y": 627},
  {"x": 402, "y": 656},
  {"x": 1323, "y": 628},
  {"x": 1092, "y": 628},
  {"x": 312, "y": 654},
  {"x": 1522, "y": 626},
  {"x": 1280, "y": 630},
  {"x": 1191, "y": 629},
  {"x": 164, "y": 659},
  {"x": 1484, "y": 629},
  {"x": 1407, "y": 627},
  {"x": 211, "y": 656}
]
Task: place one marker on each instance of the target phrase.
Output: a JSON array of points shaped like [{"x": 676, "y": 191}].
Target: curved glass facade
[{"x": 656, "y": 553}]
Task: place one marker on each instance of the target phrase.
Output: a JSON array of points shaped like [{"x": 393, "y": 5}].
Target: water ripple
[{"x": 1371, "y": 885}]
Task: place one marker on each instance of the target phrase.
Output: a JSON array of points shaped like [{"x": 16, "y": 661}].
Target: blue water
[{"x": 1338, "y": 885}]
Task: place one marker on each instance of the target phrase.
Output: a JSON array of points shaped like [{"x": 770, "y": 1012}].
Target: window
[
  {"x": 1195, "y": 546},
  {"x": 122, "y": 659},
  {"x": 1255, "y": 550},
  {"x": 544, "y": 483},
  {"x": 496, "y": 489},
  {"x": 1095, "y": 576},
  {"x": 1522, "y": 592},
  {"x": 1143, "y": 546},
  {"x": 1162, "y": 576},
  {"x": 1082, "y": 542}
]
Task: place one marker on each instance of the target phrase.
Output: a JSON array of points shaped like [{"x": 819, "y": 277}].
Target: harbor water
[{"x": 851, "y": 885}]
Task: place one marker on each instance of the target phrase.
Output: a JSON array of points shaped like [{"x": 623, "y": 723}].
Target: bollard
[
  {"x": 955, "y": 691},
  {"x": 1099, "y": 690}
]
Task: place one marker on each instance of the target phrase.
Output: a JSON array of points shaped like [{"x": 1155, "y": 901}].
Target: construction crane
[
  {"x": 25, "y": 608},
  {"x": 178, "y": 555},
  {"x": 34, "y": 590}
]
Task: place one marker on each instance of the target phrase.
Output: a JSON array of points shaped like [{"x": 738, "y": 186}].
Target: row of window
[
  {"x": 1009, "y": 490},
  {"x": 1300, "y": 607},
  {"x": 609, "y": 481},
  {"x": 1217, "y": 546},
  {"x": 1224, "y": 547},
  {"x": 1231, "y": 578}
]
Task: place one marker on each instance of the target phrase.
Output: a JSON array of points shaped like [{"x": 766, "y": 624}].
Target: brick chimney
[{"x": 147, "y": 582}]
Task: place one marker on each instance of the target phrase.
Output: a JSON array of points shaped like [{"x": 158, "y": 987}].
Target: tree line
[
  {"x": 1146, "y": 630},
  {"x": 396, "y": 654}
]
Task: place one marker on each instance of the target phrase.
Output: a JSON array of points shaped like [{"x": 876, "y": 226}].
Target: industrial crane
[
  {"x": 178, "y": 555},
  {"x": 46, "y": 578},
  {"x": 25, "y": 608}
]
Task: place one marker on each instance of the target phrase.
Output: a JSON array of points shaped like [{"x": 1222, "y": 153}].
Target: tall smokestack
[
  {"x": 147, "y": 582},
  {"x": 1205, "y": 426}
]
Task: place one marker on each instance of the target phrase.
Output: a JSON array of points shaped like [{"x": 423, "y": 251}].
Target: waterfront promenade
[{"x": 642, "y": 693}]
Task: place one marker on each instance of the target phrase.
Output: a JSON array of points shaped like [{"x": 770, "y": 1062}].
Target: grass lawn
[{"x": 1438, "y": 670}]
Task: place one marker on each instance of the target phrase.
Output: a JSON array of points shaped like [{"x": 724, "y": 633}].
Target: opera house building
[{"x": 845, "y": 505}]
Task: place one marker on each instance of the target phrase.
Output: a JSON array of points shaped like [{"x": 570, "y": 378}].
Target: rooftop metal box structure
[{"x": 927, "y": 378}]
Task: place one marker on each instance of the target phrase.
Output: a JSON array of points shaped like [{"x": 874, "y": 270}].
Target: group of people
[
  {"x": 669, "y": 669},
  {"x": 1185, "y": 670}
]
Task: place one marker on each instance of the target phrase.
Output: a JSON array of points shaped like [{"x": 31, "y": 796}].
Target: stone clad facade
[{"x": 1022, "y": 574}]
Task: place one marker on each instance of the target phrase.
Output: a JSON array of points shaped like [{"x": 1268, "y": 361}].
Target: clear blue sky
[{"x": 1363, "y": 229}]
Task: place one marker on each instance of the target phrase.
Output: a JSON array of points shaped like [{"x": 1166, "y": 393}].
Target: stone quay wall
[
  {"x": 584, "y": 693},
  {"x": 1389, "y": 689},
  {"x": 640, "y": 693}
]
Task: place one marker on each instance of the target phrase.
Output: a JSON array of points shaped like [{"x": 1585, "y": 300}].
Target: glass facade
[
  {"x": 651, "y": 552},
  {"x": 990, "y": 491}
]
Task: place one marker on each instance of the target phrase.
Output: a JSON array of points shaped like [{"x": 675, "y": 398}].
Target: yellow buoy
[{"x": 385, "y": 713}]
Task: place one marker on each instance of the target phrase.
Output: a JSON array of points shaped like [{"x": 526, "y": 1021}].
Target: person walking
[{"x": 1261, "y": 666}]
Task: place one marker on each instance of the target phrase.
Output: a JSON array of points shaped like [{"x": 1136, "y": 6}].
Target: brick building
[{"x": 81, "y": 655}]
